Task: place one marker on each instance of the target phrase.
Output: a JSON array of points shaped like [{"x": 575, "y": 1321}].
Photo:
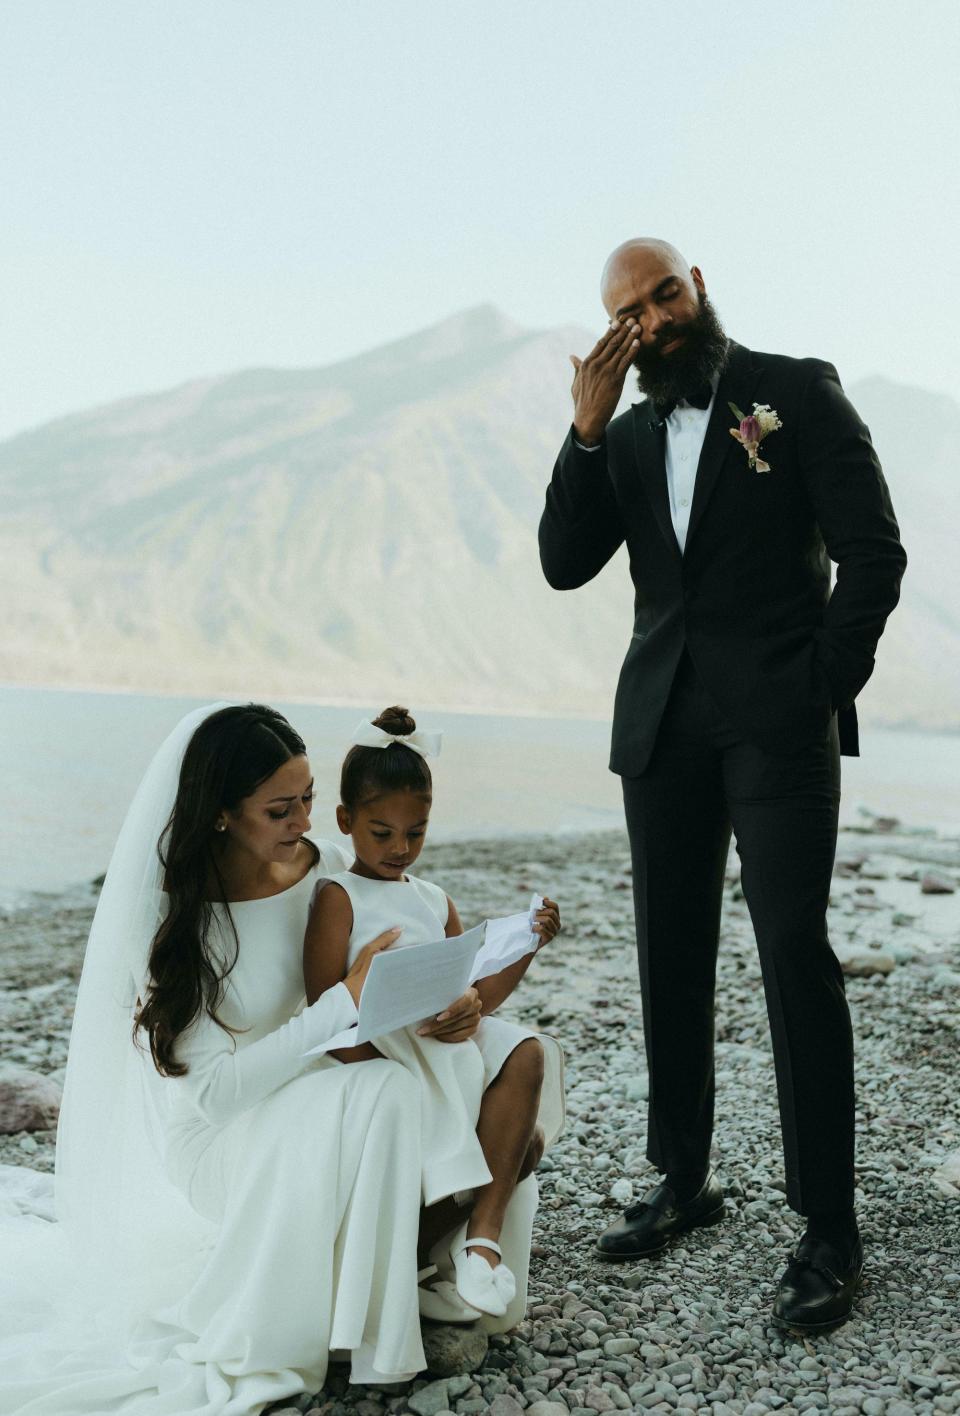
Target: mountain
[
  {"x": 367, "y": 532},
  {"x": 917, "y": 436}
]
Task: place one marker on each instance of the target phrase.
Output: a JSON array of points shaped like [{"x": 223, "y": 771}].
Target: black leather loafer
[
  {"x": 650, "y": 1224},
  {"x": 817, "y": 1288}
]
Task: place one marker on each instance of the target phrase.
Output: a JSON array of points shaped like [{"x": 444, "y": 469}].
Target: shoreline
[
  {"x": 929, "y": 844},
  {"x": 868, "y": 724},
  {"x": 363, "y": 704}
]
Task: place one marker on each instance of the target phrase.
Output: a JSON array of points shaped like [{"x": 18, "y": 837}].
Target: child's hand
[
  {"x": 547, "y": 922},
  {"x": 356, "y": 977}
]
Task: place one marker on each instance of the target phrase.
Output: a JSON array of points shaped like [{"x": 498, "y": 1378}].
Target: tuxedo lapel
[
  {"x": 737, "y": 383},
  {"x": 650, "y": 435}
]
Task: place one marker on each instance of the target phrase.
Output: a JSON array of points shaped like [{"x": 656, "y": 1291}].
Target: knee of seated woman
[
  {"x": 525, "y": 1062},
  {"x": 394, "y": 1080}
]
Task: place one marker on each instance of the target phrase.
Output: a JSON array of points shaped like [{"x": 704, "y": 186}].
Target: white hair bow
[{"x": 367, "y": 734}]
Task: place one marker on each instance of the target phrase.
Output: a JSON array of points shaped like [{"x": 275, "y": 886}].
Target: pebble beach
[{"x": 688, "y": 1330}]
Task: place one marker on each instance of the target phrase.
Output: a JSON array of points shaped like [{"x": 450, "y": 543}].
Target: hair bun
[{"x": 396, "y": 720}]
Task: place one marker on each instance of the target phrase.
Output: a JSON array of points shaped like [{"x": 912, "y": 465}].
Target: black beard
[{"x": 668, "y": 378}]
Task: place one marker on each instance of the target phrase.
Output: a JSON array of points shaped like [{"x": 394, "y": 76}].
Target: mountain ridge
[{"x": 371, "y": 524}]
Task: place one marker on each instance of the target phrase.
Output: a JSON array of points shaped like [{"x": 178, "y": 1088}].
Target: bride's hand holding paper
[{"x": 356, "y": 976}]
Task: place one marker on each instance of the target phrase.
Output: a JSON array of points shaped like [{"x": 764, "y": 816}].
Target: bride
[{"x": 230, "y": 1213}]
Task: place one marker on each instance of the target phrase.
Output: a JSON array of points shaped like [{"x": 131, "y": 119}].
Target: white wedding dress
[{"x": 305, "y": 1176}]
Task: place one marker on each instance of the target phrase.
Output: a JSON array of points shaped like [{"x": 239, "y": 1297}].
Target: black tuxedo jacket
[{"x": 750, "y": 595}]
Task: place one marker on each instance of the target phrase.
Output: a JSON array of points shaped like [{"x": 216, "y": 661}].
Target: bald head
[
  {"x": 633, "y": 260},
  {"x": 647, "y": 282}
]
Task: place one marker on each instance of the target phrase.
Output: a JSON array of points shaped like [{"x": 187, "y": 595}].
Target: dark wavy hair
[
  {"x": 231, "y": 753},
  {"x": 370, "y": 772}
]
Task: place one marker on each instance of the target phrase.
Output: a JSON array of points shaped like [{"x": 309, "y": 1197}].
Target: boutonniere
[{"x": 753, "y": 429}]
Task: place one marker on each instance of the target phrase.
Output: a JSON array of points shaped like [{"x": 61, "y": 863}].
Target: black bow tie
[{"x": 697, "y": 398}]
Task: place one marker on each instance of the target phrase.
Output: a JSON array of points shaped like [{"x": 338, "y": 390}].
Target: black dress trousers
[{"x": 703, "y": 780}]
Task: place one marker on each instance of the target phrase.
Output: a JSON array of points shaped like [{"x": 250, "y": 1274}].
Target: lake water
[{"x": 71, "y": 760}]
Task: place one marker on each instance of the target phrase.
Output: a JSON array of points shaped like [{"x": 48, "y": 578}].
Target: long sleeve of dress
[{"x": 227, "y": 1075}]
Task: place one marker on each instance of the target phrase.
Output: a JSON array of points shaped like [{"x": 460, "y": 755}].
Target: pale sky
[{"x": 194, "y": 186}]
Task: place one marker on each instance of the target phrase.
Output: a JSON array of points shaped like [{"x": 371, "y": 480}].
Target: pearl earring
[{"x": 221, "y": 825}]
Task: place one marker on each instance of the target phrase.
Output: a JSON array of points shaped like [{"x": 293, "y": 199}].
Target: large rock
[
  {"x": 947, "y": 1176},
  {"x": 934, "y": 882},
  {"x": 849, "y": 865},
  {"x": 451, "y": 1349},
  {"x": 863, "y": 963},
  {"x": 28, "y": 1100}
]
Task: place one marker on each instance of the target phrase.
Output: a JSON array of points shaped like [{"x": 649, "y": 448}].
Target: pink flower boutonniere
[{"x": 753, "y": 429}]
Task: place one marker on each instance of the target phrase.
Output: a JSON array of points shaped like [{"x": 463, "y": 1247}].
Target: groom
[{"x": 735, "y": 700}]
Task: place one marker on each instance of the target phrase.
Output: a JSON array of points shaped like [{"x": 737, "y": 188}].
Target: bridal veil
[{"x": 124, "y": 1239}]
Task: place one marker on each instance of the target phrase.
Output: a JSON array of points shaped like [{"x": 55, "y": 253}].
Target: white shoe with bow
[{"x": 490, "y": 1290}]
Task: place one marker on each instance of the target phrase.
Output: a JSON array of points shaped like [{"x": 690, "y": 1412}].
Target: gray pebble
[
  {"x": 504, "y": 1405},
  {"x": 620, "y": 1346},
  {"x": 430, "y": 1400},
  {"x": 621, "y": 1192}
]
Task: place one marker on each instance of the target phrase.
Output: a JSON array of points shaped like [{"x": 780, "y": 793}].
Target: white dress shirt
[{"x": 686, "y": 430}]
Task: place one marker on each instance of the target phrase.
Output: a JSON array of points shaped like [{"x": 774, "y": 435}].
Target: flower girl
[{"x": 474, "y": 1139}]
